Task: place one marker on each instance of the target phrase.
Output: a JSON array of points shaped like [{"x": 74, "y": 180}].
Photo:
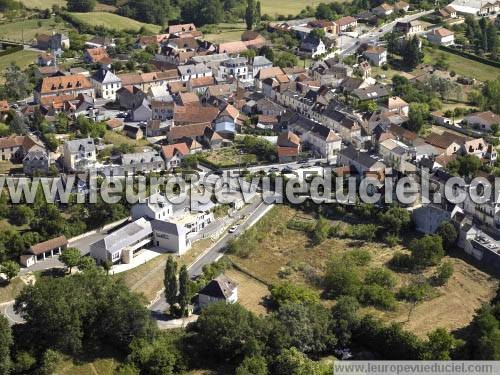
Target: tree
[
  {"x": 443, "y": 273},
  {"x": 86, "y": 263},
  {"x": 6, "y": 342},
  {"x": 412, "y": 55},
  {"x": 170, "y": 281},
  {"x": 466, "y": 165},
  {"x": 21, "y": 214},
  {"x": 285, "y": 60},
  {"x": 254, "y": 365},
  {"x": 17, "y": 84},
  {"x": 250, "y": 14},
  {"x": 418, "y": 114},
  {"x": 293, "y": 362},
  {"x": 70, "y": 257},
  {"x": 183, "y": 297},
  {"x": 155, "y": 358},
  {"x": 227, "y": 332},
  {"x": 107, "y": 265},
  {"x": 449, "y": 235},
  {"x": 18, "y": 125},
  {"x": 317, "y": 33},
  {"x": 321, "y": 230},
  {"x": 440, "y": 345},
  {"x": 81, "y": 5},
  {"x": 306, "y": 327},
  {"x": 91, "y": 309},
  {"x": 342, "y": 278},
  {"x": 287, "y": 292},
  {"x": 345, "y": 320},
  {"x": 10, "y": 269},
  {"x": 324, "y": 12},
  {"x": 395, "y": 219},
  {"x": 427, "y": 251}
]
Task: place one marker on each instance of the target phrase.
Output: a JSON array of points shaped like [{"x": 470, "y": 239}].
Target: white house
[
  {"x": 483, "y": 120},
  {"x": 106, "y": 84},
  {"x": 312, "y": 46},
  {"x": 236, "y": 67},
  {"x": 376, "y": 55},
  {"x": 383, "y": 10},
  {"x": 220, "y": 289},
  {"x": 79, "y": 154},
  {"x": 441, "y": 37}
]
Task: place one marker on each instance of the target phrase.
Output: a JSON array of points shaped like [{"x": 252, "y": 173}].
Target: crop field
[
  {"x": 114, "y": 21},
  {"x": 286, "y": 7},
  {"x": 27, "y": 30}
]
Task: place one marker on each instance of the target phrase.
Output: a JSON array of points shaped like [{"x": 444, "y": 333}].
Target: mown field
[
  {"x": 224, "y": 32},
  {"x": 286, "y": 254},
  {"x": 114, "y": 21},
  {"x": 42, "y": 4},
  {"x": 22, "y": 59},
  {"x": 286, "y": 7},
  {"x": 463, "y": 66},
  {"x": 27, "y": 30}
]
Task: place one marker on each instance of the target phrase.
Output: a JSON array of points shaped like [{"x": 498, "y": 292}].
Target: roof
[
  {"x": 105, "y": 76},
  {"x": 174, "y": 29},
  {"x": 184, "y": 43},
  {"x": 442, "y": 32},
  {"x": 288, "y": 139},
  {"x": 169, "y": 151},
  {"x": 114, "y": 123},
  {"x": 232, "y": 47},
  {"x": 194, "y": 114},
  {"x": 189, "y": 98},
  {"x": 269, "y": 73},
  {"x": 371, "y": 92},
  {"x": 85, "y": 144},
  {"x": 188, "y": 131},
  {"x": 125, "y": 236},
  {"x": 377, "y": 50},
  {"x": 48, "y": 245},
  {"x": 363, "y": 158},
  {"x": 202, "y": 81},
  {"x": 444, "y": 140},
  {"x": 267, "y": 119},
  {"x": 222, "y": 287},
  {"x": 61, "y": 83},
  {"x": 396, "y": 102},
  {"x": 486, "y": 117},
  {"x": 401, "y": 5},
  {"x": 97, "y": 54},
  {"x": 344, "y": 21}
]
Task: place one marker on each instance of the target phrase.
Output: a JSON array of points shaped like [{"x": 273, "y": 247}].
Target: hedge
[
  {"x": 11, "y": 50},
  {"x": 471, "y": 56}
]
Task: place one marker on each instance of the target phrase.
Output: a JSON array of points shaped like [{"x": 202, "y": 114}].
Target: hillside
[{"x": 114, "y": 21}]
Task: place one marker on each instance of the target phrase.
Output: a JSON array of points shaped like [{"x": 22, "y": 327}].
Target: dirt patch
[{"x": 251, "y": 293}]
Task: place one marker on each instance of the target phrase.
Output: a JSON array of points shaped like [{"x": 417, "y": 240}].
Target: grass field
[
  {"x": 250, "y": 291},
  {"x": 224, "y": 32},
  {"x": 286, "y": 7},
  {"x": 286, "y": 253},
  {"x": 464, "y": 66},
  {"x": 10, "y": 291},
  {"x": 117, "y": 139},
  {"x": 42, "y": 4},
  {"x": 114, "y": 21},
  {"x": 28, "y": 29}
]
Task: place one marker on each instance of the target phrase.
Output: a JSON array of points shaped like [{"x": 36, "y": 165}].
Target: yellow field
[
  {"x": 42, "y": 4},
  {"x": 114, "y": 21}
]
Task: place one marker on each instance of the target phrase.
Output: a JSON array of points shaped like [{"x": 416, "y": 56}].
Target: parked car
[{"x": 233, "y": 229}]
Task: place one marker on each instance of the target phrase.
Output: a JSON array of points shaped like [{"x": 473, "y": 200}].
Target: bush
[
  {"x": 342, "y": 278},
  {"x": 381, "y": 277},
  {"x": 443, "y": 273},
  {"x": 359, "y": 257},
  {"x": 427, "y": 251},
  {"x": 401, "y": 261},
  {"x": 287, "y": 292},
  {"x": 364, "y": 232},
  {"x": 415, "y": 292},
  {"x": 377, "y": 296}
]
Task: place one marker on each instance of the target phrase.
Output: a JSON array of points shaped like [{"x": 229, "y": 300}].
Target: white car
[{"x": 233, "y": 229}]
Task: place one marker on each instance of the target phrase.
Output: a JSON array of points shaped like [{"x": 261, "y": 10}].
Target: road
[
  {"x": 254, "y": 211},
  {"x": 373, "y": 36}
]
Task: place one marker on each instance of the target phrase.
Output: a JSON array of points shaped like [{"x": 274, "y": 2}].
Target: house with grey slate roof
[{"x": 79, "y": 155}]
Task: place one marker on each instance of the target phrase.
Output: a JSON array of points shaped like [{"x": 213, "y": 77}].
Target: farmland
[
  {"x": 21, "y": 59},
  {"x": 286, "y": 7},
  {"x": 284, "y": 253},
  {"x": 42, "y": 4},
  {"x": 224, "y": 32},
  {"x": 113, "y": 21}
]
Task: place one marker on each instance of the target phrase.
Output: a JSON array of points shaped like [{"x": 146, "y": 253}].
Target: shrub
[
  {"x": 286, "y": 292},
  {"x": 359, "y": 257},
  {"x": 415, "y": 292},
  {"x": 427, "y": 251},
  {"x": 342, "y": 278},
  {"x": 377, "y": 296},
  {"x": 364, "y": 232},
  {"x": 401, "y": 261},
  {"x": 381, "y": 277},
  {"x": 443, "y": 273}
]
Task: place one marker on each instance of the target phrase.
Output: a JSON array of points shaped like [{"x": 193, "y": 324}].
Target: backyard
[
  {"x": 283, "y": 253},
  {"x": 27, "y": 30},
  {"x": 228, "y": 157},
  {"x": 224, "y": 32}
]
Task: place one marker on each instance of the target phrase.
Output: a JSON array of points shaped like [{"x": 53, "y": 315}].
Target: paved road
[
  {"x": 373, "y": 36},
  {"x": 7, "y": 309},
  {"x": 254, "y": 212}
]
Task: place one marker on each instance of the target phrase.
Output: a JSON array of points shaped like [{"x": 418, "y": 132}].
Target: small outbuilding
[{"x": 43, "y": 250}]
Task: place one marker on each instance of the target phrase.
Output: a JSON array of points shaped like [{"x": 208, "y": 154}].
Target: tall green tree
[
  {"x": 17, "y": 83},
  {"x": 70, "y": 257},
  {"x": 170, "y": 281},
  {"x": 250, "y": 14},
  {"x": 412, "y": 55},
  {"x": 81, "y": 5},
  {"x": 10, "y": 269},
  {"x": 183, "y": 289},
  {"x": 6, "y": 342}
]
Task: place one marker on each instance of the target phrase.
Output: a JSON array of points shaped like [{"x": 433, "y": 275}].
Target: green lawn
[
  {"x": 42, "y": 4},
  {"x": 228, "y": 156},
  {"x": 464, "y": 66},
  {"x": 21, "y": 59},
  {"x": 114, "y": 21},
  {"x": 286, "y": 7},
  {"x": 224, "y": 32},
  {"x": 28, "y": 29},
  {"x": 10, "y": 291}
]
